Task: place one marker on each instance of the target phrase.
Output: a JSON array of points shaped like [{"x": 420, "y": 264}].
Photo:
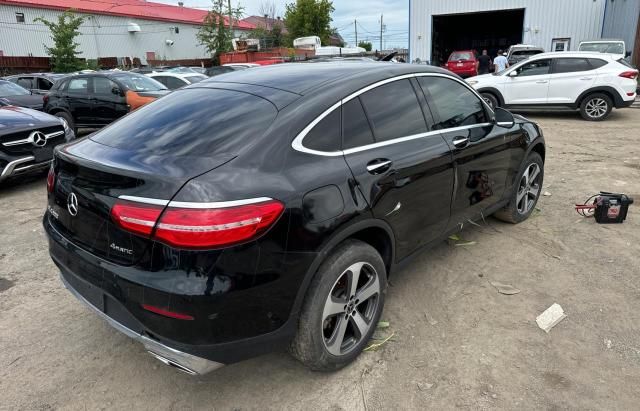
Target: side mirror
[
  {"x": 116, "y": 91},
  {"x": 504, "y": 118},
  {"x": 513, "y": 73},
  {"x": 627, "y": 54}
]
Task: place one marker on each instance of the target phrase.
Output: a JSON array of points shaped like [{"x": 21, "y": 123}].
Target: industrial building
[
  {"x": 112, "y": 28},
  {"x": 438, "y": 27}
]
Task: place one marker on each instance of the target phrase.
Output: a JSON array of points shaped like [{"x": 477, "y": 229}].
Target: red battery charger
[{"x": 606, "y": 208}]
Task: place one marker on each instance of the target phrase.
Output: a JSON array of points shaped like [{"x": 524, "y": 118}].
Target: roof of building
[
  {"x": 266, "y": 22},
  {"x": 128, "y": 8}
]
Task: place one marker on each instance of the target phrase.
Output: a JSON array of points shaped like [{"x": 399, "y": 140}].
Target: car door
[
  {"x": 404, "y": 172},
  {"x": 78, "y": 100},
  {"x": 481, "y": 150},
  {"x": 108, "y": 101},
  {"x": 527, "y": 84},
  {"x": 569, "y": 78}
]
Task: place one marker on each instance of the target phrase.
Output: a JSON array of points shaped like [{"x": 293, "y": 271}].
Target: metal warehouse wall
[
  {"x": 544, "y": 20},
  {"x": 621, "y": 20},
  {"x": 102, "y": 36}
]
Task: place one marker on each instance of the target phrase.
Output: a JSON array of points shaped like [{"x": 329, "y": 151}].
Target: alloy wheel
[
  {"x": 350, "y": 308},
  {"x": 528, "y": 189},
  {"x": 596, "y": 107}
]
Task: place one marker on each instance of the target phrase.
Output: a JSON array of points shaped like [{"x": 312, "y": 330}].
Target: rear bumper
[
  {"x": 625, "y": 103},
  {"x": 170, "y": 356},
  {"x": 22, "y": 165}
]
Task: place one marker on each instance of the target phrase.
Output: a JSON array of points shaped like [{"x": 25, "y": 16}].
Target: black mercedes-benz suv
[{"x": 266, "y": 209}]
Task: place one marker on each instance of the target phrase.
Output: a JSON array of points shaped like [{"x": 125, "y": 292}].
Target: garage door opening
[{"x": 492, "y": 30}]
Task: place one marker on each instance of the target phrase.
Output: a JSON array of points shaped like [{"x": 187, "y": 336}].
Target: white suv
[{"x": 594, "y": 83}]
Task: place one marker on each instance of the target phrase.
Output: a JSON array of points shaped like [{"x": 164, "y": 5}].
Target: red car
[{"x": 463, "y": 63}]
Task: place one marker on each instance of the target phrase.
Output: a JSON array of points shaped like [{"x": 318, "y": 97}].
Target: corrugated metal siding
[
  {"x": 544, "y": 20},
  {"x": 102, "y": 36},
  {"x": 621, "y": 21}
]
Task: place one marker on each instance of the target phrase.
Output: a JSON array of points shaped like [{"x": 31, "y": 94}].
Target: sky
[{"x": 366, "y": 12}]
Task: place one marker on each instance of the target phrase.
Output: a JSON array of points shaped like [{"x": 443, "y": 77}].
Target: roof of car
[
  {"x": 593, "y": 54},
  {"x": 301, "y": 78},
  {"x": 172, "y": 74}
]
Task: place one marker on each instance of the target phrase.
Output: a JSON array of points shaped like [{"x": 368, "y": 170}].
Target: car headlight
[
  {"x": 472, "y": 82},
  {"x": 68, "y": 133}
]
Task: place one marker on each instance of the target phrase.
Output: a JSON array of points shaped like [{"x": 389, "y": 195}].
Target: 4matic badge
[{"x": 122, "y": 250}]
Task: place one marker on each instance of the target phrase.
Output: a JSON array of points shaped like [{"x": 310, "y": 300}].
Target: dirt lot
[{"x": 458, "y": 342}]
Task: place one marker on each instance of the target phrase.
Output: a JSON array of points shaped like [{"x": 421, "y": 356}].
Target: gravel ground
[{"x": 458, "y": 343}]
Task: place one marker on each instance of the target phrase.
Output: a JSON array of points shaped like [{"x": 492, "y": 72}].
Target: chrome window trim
[
  {"x": 297, "y": 143},
  {"x": 196, "y": 205}
]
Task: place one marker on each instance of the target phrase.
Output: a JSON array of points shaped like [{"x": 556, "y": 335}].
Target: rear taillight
[
  {"x": 51, "y": 180},
  {"x": 197, "y": 228},
  {"x": 630, "y": 74},
  {"x": 137, "y": 218}
]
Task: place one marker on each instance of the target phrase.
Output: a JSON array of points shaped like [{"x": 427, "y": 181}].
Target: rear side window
[
  {"x": 325, "y": 136},
  {"x": 44, "y": 84},
  {"x": 624, "y": 63},
  {"x": 454, "y": 104},
  {"x": 78, "y": 85},
  {"x": 355, "y": 126},
  {"x": 597, "y": 63},
  {"x": 191, "y": 122},
  {"x": 26, "y": 82},
  {"x": 394, "y": 111},
  {"x": 102, "y": 85},
  {"x": 570, "y": 65}
]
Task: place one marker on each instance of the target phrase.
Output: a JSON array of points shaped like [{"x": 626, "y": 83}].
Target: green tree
[
  {"x": 309, "y": 18},
  {"x": 64, "y": 53},
  {"x": 215, "y": 35},
  {"x": 365, "y": 45}
]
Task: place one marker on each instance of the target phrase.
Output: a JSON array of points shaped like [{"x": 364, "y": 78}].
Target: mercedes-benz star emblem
[
  {"x": 38, "y": 139},
  {"x": 72, "y": 204}
]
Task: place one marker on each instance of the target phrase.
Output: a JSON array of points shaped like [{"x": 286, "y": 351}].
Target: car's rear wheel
[
  {"x": 490, "y": 99},
  {"x": 596, "y": 107},
  {"x": 67, "y": 119},
  {"x": 527, "y": 191},
  {"x": 342, "y": 307}
]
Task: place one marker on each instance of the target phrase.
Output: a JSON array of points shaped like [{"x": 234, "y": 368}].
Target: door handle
[
  {"x": 460, "y": 142},
  {"x": 586, "y": 78},
  {"x": 378, "y": 166},
  {"x": 541, "y": 81}
]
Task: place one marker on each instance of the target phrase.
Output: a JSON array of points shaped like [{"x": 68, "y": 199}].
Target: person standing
[
  {"x": 500, "y": 62},
  {"x": 484, "y": 62}
]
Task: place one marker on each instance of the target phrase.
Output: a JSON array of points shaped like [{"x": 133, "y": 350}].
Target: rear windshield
[
  {"x": 190, "y": 122},
  {"x": 10, "y": 89},
  {"x": 138, "y": 82},
  {"x": 613, "y": 48},
  {"x": 526, "y": 52},
  {"x": 461, "y": 55},
  {"x": 195, "y": 79}
]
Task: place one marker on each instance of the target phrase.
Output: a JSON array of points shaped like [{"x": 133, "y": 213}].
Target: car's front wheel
[
  {"x": 490, "y": 99},
  {"x": 527, "y": 191},
  {"x": 596, "y": 107},
  {"x": 342, "y": 307},
  {"x": 68, "y": 120}
]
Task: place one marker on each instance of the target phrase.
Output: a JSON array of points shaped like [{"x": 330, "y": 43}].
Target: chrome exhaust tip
[{"x": 172, "y": 364}]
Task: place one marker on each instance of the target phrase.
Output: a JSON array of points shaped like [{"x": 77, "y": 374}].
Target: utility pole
[
  {"x": 230, "y": 20},
  {"x": 355, "y": 24},
  {"x": 381, "y": 26}
]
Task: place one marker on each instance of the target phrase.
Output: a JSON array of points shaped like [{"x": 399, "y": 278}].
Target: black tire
[
  {"x": 491, "y": 100},
  {"x": 310, "y": 345},
  {"x": 67, "y": 117},
  {"x": 596, "y": 107},
  {"x": 513, "y": 212}
]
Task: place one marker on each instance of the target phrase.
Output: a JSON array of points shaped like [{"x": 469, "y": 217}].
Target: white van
[{"x": 609, "y": 46}]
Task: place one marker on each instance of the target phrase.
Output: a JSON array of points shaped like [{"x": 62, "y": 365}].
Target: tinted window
[
  {"x": 191, "y": 122},
  {"x": 44, "y": 84},
  {"x": 597, "y": 63},
  {"x": 534, "y": 68},
  {"x": 161, "y": 79},
  {"x": 26, "y": 82},
  {"x": 355, "y": 126},
  {"x": 102, "y": 85},
  {"x": 461, "y": 55},
  {"x": 571, "y": 65},
  {"x": 454, "y": 104},
  {"x": 325, "y": 136},
  {"x": 77, "y": 85},
  {"x": 394, "y": 111},
  {"x": 174, "y": 83}
]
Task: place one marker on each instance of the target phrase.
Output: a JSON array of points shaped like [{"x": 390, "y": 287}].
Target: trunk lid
[{"x": 84, "y": 192}]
